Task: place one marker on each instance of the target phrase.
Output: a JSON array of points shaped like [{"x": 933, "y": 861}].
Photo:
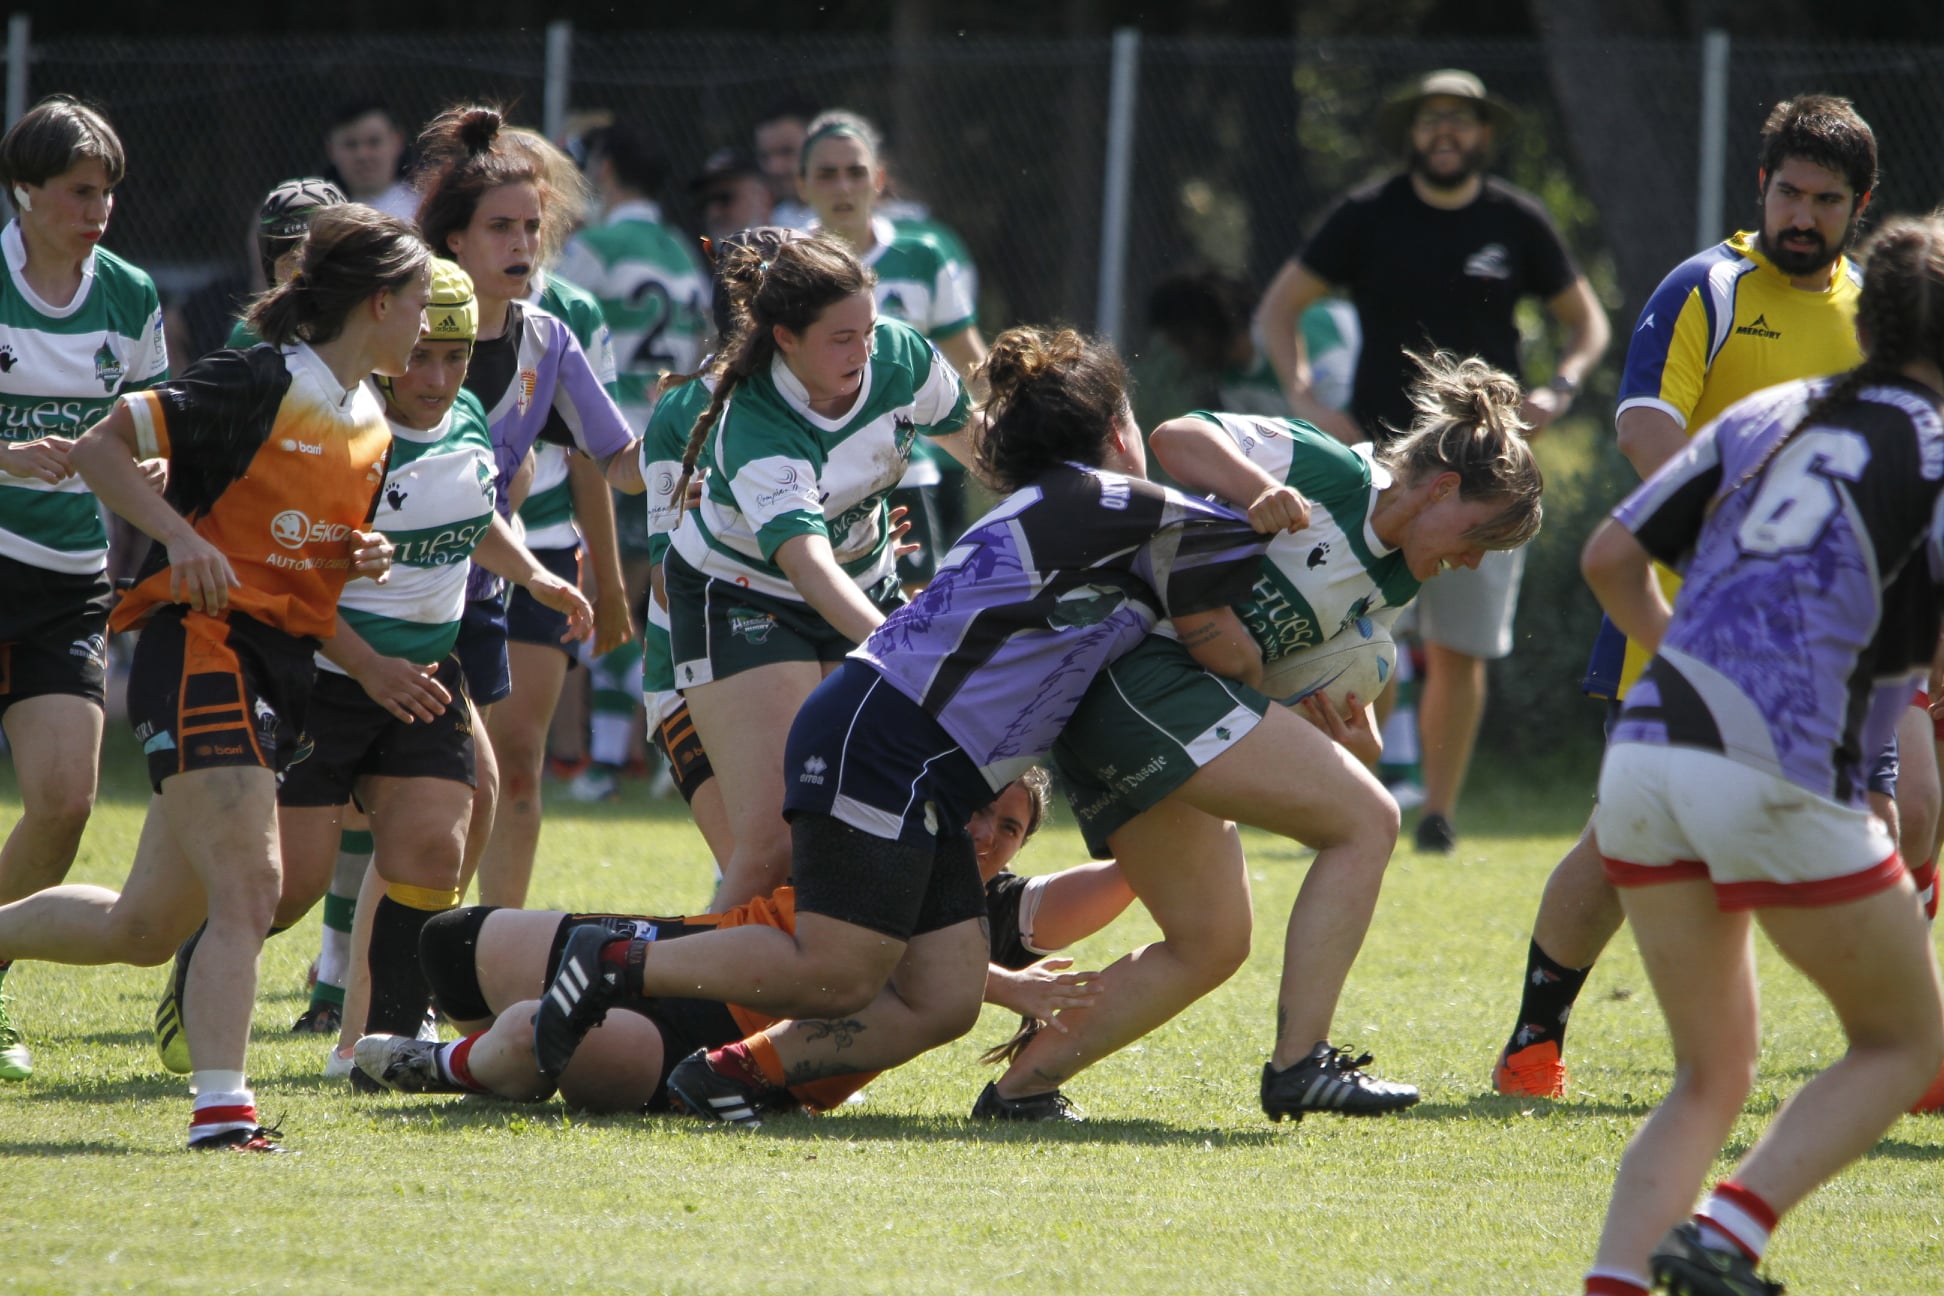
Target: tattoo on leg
[
  {"x": 841, "y": 1034},
  {"x": 809, "y": 1069}
]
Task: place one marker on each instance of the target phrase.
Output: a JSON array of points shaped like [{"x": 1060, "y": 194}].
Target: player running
[
  {"x": 1806, "y": 521},
  {"x": 277, "y": 456},
  {"x": 78, "y": 325}
]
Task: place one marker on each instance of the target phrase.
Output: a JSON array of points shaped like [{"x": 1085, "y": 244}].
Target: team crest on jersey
[
  {"x": 396, "y": 495},
  {"x": 1087, "y": 606},
  {"x": 1490, "y": 262},
  {"x": 529, "y": 380},
  {"x": 905, "y": 433},
  {"x": 108, "y": 367},
  {"x": 1318, "y": 556},
  {"x": 7, "y": 359}
]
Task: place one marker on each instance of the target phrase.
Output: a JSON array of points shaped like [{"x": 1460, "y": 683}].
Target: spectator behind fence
[
  {"x": 1438, "y": 256},
  {"x": 778, "y": 137},
  {"x": 731, "y": 194},
  {"x": 366, "y": 149}
]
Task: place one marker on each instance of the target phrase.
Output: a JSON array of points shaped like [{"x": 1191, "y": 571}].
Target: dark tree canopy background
[{"x": 1880, "y": 20}]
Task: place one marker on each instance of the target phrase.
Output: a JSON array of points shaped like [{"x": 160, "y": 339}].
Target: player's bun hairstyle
[
  {"x": 1052, "y": 396},
  {"x": 774, "y": 277},
  {"x": 1468, "y": 423},
  {"x": 1899, "y": 319},
  {"x": 55, "y": 135},
  {"x": 351, "y": 253},
  {"x": 461, "y": 157},
  {"x": 1823, "y": 129},
  {"x": 840, "y": 121},
  {"x": 569, "y": 198}
]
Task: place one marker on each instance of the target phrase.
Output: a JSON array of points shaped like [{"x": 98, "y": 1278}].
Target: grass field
[{"x": 1176, "y": 1183}]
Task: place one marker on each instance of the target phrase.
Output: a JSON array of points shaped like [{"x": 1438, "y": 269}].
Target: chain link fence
[{"x": 1236, "y": 148}]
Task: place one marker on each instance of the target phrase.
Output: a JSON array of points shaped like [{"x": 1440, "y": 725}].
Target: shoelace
[{"x": 1340, "y": 1060}]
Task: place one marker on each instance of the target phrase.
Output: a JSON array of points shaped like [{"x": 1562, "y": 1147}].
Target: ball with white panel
[{"x": 1359, "y": 659}]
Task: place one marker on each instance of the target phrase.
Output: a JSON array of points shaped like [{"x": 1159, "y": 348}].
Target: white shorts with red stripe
[{"x": 1670, "y": 814}]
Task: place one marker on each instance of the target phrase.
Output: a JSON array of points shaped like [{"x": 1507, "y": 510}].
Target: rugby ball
[{"x": 1358, "y": 659}]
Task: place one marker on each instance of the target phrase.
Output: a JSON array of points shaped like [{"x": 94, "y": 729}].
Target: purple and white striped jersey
[
  {"x": 1810, "y": 608},
  {"x": 1042, "y": 593},
  {"x": 535, "y": 381}
]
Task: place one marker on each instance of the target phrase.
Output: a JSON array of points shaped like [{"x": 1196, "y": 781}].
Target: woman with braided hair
[
  {"x": 788, "y": 562},
  {"x": 1808, "y": 521}
]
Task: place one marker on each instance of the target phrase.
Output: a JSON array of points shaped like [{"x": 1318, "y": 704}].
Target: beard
[
  {"x": 1804, "y": 259},
  {"x": 1470, "y": 162}
]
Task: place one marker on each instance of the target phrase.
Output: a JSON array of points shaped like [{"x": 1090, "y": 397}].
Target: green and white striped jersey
[
  {"x": 1316, "y": 581},
  {"x": 918, "y": 283},
  {"x": 436, "y": 507},
  {"x": 778, "y": 470},
  {"x": 61, "y": 369},
  {"x": 654, "y": 290}
]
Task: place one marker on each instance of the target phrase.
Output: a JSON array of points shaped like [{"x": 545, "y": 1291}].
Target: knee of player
[
  {"x": 141, "y": 943},
  {"x": 65, "y": 810},
  {"x": 1720, "y": 1077}
]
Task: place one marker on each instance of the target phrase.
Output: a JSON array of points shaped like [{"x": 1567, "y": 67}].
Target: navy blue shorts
[
  {"x": 878, "y": 798},
  {"x": 528, "y": 620},
  {"x": 481, "y": 650}
]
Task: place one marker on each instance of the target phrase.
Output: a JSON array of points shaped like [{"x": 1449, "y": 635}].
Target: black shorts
[
  {"x": 349, "y": 736},
  {"x": 688, "y": 763},
  {"x": 53, "y": 633},
  {"x": 878, "y": 797},
  {"x": 686, "y": 1024},
  {"x": 481, "y": 650},
  {"x": 528, "y": 620},
  {"x": 205, "y": 693},
  {"x": 717, "y": 628}
]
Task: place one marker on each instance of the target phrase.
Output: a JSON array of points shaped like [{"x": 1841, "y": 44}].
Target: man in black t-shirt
[{"x": 1438, "y": 256}]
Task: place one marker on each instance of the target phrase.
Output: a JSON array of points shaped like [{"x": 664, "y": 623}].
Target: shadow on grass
[
  {"x": 76, "y": 1147},
  {"x": 488, "y": 1113},
  {"x": 161, "y": 1086},
  {"x": 1499, "y": 1107}
]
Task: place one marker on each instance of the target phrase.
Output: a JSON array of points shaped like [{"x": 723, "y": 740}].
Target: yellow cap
[{"x": 453, "y": 314}]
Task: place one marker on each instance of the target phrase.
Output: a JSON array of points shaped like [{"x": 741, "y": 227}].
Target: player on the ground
[
  {"x": 491, "y": 966},
  {"x": 1762, "y": 307},
  {"x": 1439, "y": 256},
  {"x": 1808, "y": 521},
  {"x": 947, "y": 702},
  {"x": 276, "y": 457},
  {"x": 78, "y": 325}
]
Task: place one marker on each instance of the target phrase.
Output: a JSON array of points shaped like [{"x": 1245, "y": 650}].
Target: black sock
[
  {"x": 399, "y": 990},
  {"x": 1550, "y": 990}
]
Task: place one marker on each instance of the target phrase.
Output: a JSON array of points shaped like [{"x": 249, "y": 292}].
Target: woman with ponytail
[
  {"x": 1162, "y": 755},
  {"x": 489, "y": 205},
  {"x": 949, "y": 700},
  {"x": 276, "y": 459},
  {"x": 788, "y": 563},
  {"x": 1808, "y": 523}
]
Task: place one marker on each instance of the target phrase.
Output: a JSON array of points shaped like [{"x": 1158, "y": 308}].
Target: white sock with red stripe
[
  {"x": 1611, "y": 1282},
  {"x": 455, "y": 1062},
  {"x": 1735, "y": 1219},
  {"x": 223, "y": 1103}
]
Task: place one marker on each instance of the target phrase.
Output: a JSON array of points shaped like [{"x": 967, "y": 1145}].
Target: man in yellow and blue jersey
[{"x": 1762, "y": 307}]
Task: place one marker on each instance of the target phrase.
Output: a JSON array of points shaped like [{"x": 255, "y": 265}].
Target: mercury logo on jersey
[{"x": 1758, "y": 327}]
